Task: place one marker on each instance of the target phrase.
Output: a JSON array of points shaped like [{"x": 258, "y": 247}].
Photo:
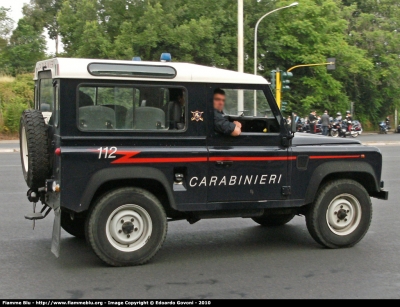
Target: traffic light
[
  {"x": 332, "y": 64},
  {"x": 285, "y": 76},
  {"x": 273, "y": 79},
  {"x": 283, "y": 105}
]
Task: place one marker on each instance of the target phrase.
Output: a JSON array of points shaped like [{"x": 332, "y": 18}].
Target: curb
[{"x": 381, "y": 143}]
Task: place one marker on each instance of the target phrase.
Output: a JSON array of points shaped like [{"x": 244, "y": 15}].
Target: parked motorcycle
[
  {"x": 302, "y": 126},
  {"x": 383, "y": 127},
  {"x": 306, "y": 128},
  {"x": 357, "y": 126},
  {"x": 343, "y": 129}
]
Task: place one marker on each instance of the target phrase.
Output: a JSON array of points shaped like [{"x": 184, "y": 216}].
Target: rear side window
[
  {"x": 124, "y": 108},
  {"x": 130, "y": 70},
  {"x": 46, "y": 95}
]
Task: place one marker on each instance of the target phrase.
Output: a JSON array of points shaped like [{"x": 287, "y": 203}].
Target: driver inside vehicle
[{"x": 221, "y": 123}]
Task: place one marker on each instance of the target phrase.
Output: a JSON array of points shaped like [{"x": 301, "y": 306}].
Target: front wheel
[
  {"x": 126, "y": 227},
  {"x": 340, "y": 215},
  {"x": 272, "y": 220},
  {"x": 354, "y": 135}
]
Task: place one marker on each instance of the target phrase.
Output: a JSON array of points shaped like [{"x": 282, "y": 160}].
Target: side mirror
[{"x": 293, "y": 127}]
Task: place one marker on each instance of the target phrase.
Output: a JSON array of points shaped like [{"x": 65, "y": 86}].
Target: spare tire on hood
[{"x": 34, "y": 149}]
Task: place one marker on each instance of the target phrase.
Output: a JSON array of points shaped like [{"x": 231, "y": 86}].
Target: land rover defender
[{"x": 110, "y": 149}]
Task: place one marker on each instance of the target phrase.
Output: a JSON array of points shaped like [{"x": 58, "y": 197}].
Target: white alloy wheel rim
[
  {"x": 344, "y": 214},
  {"x": 24, "y": 152},
  {"x": 129, "y": 227}
]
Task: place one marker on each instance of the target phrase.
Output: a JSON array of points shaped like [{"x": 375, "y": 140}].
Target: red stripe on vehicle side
[
  {"x": 336, "y": 157},
  {"x": 160, "y": 160},
  {"x": 126, "y": 157},
  {"x": 213, "y": 159},
  {"x": 129, "y": 157}
]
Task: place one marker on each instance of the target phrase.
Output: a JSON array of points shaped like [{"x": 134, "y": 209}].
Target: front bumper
[{"x": 382, "y": 194}]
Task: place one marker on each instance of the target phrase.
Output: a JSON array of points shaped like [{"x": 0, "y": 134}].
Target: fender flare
[
  {"x": 130, "y": 172},
  {"x": 329, "y": 168}
]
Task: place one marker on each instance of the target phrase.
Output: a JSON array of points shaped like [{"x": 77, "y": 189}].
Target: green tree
[
  {"x": 317, "y": 32},
  {"x": 26, "y": 47},
  {"x": 76, "y": 17},
  {"x": 43, "y": 14},
  {"x": 361, "y": 35},
  {"x": 374, "y": 27},
  {"x": 96, "y": 44},
  {"x": 6, "y": 25}
]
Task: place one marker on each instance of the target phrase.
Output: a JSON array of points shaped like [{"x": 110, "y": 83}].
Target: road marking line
[
  {"x": 10, "y": 193},
  {"x": 9, "y": 141},
  {"x": 9, "y": 150}
]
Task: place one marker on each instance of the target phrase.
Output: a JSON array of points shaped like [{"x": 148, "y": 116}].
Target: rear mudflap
[
  {"x": 49, "y": 201},
  {"x": 56, "y": 236}
]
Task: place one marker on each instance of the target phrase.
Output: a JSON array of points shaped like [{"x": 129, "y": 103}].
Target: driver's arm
[
  {"x": 236, "y": 132},
  {"x": 224, "y": 126}
]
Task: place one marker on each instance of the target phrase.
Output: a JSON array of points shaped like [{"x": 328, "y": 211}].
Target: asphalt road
[{"x": 222, "y": 258}]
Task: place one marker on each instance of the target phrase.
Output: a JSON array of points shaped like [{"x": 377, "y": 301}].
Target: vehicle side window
[
  {"x": 46, "y": 95},
  {"x": 262, "y": 120},
  {"x": 131, "y": 108}
]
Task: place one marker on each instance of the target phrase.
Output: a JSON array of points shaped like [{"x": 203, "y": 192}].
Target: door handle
[{"x": 224, "y": 163}]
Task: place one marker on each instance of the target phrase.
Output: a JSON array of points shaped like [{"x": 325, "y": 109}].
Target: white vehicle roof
[{"x": 74, "y": 68}]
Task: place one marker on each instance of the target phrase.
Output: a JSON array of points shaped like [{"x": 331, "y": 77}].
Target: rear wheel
[
  {"x": 340, "y": 215},
  {"x": 271, "y": 220},
  {"x": 126, "y": 227}
]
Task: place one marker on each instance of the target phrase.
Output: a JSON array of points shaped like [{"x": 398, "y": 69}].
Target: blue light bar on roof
[
  {"x": 165, "y": 57},
  {"x": 136, "y": 58}
]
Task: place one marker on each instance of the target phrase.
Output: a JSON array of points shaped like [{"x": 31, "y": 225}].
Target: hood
[{"x": 301, "y": 139}]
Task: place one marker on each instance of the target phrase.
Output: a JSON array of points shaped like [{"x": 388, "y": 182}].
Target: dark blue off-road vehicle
[{"x": 120, "y": 148}]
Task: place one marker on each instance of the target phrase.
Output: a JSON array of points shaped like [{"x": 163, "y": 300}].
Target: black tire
[
  {"x": 334, "y": 134},
  {"x": 75, "y": 227},
  {"x": 325, "y": 217},
  {"x": 34, "y": 146},
  {"x": 139, "y": 208},
  {"x": 272, "y": 220}
]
